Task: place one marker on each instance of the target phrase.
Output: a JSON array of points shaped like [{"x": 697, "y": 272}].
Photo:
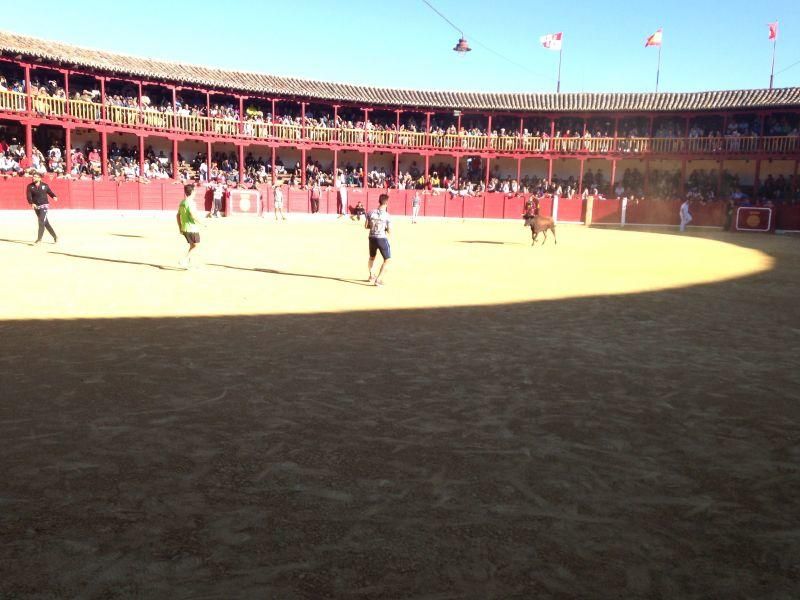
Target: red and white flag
[
  {"x": 654, "y": 40},
  {"x": 551, "y": 41},
  {"x": 773, "y": 30}
]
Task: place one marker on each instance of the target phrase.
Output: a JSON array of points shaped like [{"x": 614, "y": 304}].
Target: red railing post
[
  {"x": 139, "y": 117},
  {"x": 489, "y": 133},
  {"x": 366, "y": 165},
  {"x": 103, "y": 112},
  {"x": 174, "y": 124},
  {"x": 208, "y": 161},
  {"x": 208, "y": 119},
  {"x": 28, "y": 98},
  {"x": 303, "y": 130},
  {"x": 427, "y": 129},
  {"x": 241, "y": 115},
  {"x": 66, "y": 93}
]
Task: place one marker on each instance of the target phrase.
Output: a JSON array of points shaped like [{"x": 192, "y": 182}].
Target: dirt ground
[{"x": 617, "y": 416}]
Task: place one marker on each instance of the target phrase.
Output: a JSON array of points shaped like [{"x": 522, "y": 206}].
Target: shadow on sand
[{"x": 646, "y": 447}]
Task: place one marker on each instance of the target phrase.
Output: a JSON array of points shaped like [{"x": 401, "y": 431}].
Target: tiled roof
[{"x": 272, "y": 85}]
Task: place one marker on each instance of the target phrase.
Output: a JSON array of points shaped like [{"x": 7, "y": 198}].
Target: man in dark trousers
[{"x": 38, "y": 193}]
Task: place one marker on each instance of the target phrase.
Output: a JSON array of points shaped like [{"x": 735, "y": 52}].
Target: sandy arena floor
[{"x": 617, "y": 416}]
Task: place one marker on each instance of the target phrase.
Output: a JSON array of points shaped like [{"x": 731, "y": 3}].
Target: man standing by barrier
[
  {"x": 37, "y": 194},
  {"x": 342, "y": 196},
  {"x": 278, "y": 202},
  {"x": 686, "y": 218},
  {"x": 415, "y": 204},
  {"x": 379, "y": 226}
]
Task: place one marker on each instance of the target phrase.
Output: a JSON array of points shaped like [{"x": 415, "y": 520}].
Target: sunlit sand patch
[{"x": 114, "y": 268}]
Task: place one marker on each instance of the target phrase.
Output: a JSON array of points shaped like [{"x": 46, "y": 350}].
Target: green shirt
[{"x": 186, "y": 215}]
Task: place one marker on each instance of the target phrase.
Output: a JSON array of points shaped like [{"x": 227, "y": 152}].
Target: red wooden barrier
[
  {"x": 606, "y": 211},
  {"x": 433, "y": 205},
  {"x": 453, "y": 206},
  {"x": 787, "y": 217},
  {"x": 166, "y": 195},
  {"x": 473, "y": 207},
  {"x": 297, "y": 201},
  {"x": 570, "y": 209}
]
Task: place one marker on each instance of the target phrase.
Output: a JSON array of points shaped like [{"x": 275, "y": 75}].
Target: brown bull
[{"x": 539, "y": 225}]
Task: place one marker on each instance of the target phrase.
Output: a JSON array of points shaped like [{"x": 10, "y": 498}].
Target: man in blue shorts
[{"x": 378, "y": 223}]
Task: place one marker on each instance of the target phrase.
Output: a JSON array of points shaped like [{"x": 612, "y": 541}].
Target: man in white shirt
[{"x": 379, "y": 225}]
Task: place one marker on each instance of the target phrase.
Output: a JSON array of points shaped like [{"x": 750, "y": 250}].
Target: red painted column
[
  {"x": 303, "y": 127},
  {"x": 67, "y": 152},
  {"x": 549, "y": 170},
  {"x": 611, "y": 192},
  {"x": 272, "y": 133},
  {"x": 303, "y": 167},
  {"x": 274, "y": 177},
  {"x": 335, "y": 167},
  {"x": 519, "y": 172},
  {"x": 489, "y": 133},
  {"x": 104, "y": 153},
  {"x": 28, "y": 142},
  {"x": 580, "y": 178},
  {"x": 366, "y": 118},
  {"x": 488, "y": 171},
  {"x": 175, "y": 173},
  {"x": 141, "y": 155},
  {"x": 757, "y": 180},
  {"x": 647, "y": 178},
  {"x": 28, "y": 99},
  {"x": 719, "y": 178},
  {"x": 458, "y": 160},
  {"x": 241, "y": 164},
  {"x": 519, "y": 136},
  {"x": 682, "y": 189},
  {"x": 397, "y": 168},
  {"x": 208, "y": 160},
  {"x": 794, "y": 179},
  {"x": 458, "y": 134},
  {"x": 241, "y": 116},
  {"x": 614, "y": 148},
  {"x": 427, "y": 166},
  {"x": 366, "y": 159}
]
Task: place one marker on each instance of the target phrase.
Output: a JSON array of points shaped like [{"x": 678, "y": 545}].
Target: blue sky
[{"x": 402, "y": 43}]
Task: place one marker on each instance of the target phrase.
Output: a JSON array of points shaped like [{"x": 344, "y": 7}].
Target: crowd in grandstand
[{"x": 570, "y": 135}]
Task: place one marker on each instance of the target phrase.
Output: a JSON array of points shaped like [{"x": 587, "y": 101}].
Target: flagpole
[
  {"x": 772, "y": 71},
  {"x": 558, "y": 85},
  {"x": 658, "y": 69}
]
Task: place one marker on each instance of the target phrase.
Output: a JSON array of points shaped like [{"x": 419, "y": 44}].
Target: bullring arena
[{"x": 614, "y": 416}]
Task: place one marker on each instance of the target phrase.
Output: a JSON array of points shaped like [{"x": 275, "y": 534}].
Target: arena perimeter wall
[{"x": 166, "y": 195}]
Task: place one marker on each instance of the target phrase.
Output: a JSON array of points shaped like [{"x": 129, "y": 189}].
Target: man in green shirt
[{"x": 187, "y": 223}]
